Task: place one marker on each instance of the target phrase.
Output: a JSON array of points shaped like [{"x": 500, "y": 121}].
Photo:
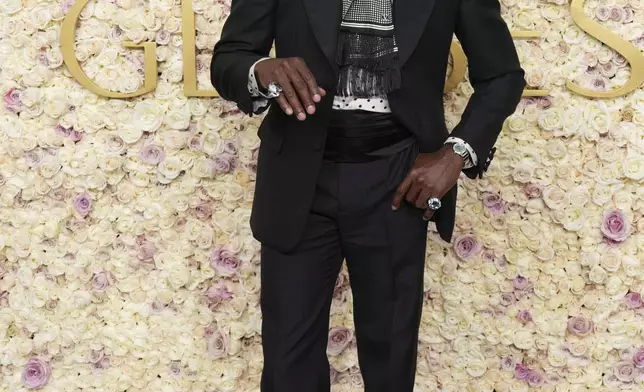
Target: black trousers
[{"x": 351, "y": 218}]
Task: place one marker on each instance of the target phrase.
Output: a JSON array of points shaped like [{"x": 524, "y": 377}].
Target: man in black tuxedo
[{"x": 355, "y": 158}]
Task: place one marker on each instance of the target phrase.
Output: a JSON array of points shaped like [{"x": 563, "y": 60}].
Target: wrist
[{"x": 448, "y": 153}]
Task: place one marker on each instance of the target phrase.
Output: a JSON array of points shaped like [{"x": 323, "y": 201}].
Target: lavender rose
[
  {"x": 508, "y": 299},
  {"x": 493, "y": 202},
  {"x": 95, "y": 356},
  {"x": 224, "y": 163},
  {"x": 217, "y": 345},
  {"x": 152, "y": 154},
  {"x": 615, "y": 226},
  {"x": 508, "y": 364},
  {"x": 520, "y": 283},
  {"x": 524, "y": 317},
  {"x": 339, "y": 339},
  {"x": 466, "y": 246},
  {"x": 100, "y": 281},
  {"x": 36, "y": 374},
  {"x": 633, "y": 300},
  {"x": 580, "y": 326},
  {"x": 83, "y": 204},
  {"x": 625, "y": 371},
  {"x": 535, "y": 379},
  {"x": 224, "y": 261},
  {"x": 638, "y": 358}
]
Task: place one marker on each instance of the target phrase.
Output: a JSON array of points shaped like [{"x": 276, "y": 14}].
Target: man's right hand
[{"x": 300, "y": 91}]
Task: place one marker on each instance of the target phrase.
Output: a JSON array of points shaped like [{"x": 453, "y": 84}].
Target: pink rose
[
  {"x": 466, "y": 246},
  {"x": 194, "y": 144},
  {"x": 339, "y": 339},
  {"x": 152, "y": 154},
  {"x": 203, "y": 211},
  {"x": 12, "y": 101},
  {"x": 83, "y": 204},
  {"x": 580, "y": 326},
  {"x": 615, "y": 226},
  {"x": 633, "y": 300},
  {"x": 521, "y": 371},
  {"x": 75, "y": 136},
  {"x": 218, "y": 292},
  {"x": 36, "y": 374},
  {"x": 224, "y": 261},
  {"x": 532, "y": 191},
  {"x": 333, "y": 374},
  {"x": 145, "y": 251}
]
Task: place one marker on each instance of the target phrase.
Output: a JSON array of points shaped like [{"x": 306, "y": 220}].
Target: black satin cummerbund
[{"x": 361, "y": 136}]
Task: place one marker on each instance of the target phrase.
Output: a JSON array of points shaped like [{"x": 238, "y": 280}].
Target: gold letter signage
[
  {"x": 68, "y": 33},
  {"x": 67, "y": 40},
  {"x": 614, "y": 41}
]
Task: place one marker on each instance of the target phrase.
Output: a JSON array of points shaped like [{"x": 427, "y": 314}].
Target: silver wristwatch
[{"x": 461, "y": 149}]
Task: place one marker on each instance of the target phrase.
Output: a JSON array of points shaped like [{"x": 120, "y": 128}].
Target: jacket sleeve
[
  {"x": 247, "y": 37},
  {"x": 495, "y": 74}
]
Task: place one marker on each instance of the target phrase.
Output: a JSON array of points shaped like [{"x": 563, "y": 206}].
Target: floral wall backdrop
[{"x": 127, "y": 264}]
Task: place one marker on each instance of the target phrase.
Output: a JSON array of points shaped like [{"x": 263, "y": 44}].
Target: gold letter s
[
  {"x": 67, "y": 40},
  {"x": 614, "y": 41}
]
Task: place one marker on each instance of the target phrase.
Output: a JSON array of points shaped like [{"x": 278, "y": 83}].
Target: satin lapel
[
  {"x": 324, "y": 17},
  {"x": 410, "y": 19}
]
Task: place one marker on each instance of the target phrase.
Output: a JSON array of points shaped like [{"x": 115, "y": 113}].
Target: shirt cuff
[
  {"x": 472, "y": 159},
  {"x": 253, "y": 86}
]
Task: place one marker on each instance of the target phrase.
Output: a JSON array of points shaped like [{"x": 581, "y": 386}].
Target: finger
[
  {"x": 309, "y": 79},
  {"x": 289, "y": 92},
  {"x": 422, "y": 198},
  {"x": 281, "y": 100},
  {"x": 412, "y": 195},
  {"x": 401, "y": 192},
  {"x": 428, "y": 214},
  {"x": 301, "y": 88}
]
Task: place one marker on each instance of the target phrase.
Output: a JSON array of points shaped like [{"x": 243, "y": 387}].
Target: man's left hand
[{"x": 432, "y": 175}]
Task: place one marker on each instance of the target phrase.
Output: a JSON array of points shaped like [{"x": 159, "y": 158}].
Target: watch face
[{"x": 460, "y": 149}]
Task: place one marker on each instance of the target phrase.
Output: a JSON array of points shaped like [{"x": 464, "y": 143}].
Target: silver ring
[
  {"x": 273, "y": 90},
  {"x": 434, "y": 203}
]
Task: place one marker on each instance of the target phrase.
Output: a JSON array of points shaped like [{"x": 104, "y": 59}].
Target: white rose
[{"x": 633, "y": 166}]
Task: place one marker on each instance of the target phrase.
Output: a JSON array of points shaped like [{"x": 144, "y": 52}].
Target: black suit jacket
[{"x": 291, "y": 151}]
